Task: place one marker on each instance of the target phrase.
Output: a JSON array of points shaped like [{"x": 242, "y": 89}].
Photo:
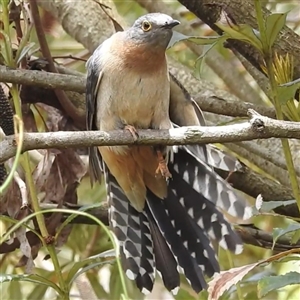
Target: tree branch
[
  {"x": 43, "y": 79},
  {"x": 249, "y": 234},
  {"x": 258, "y": 127}
]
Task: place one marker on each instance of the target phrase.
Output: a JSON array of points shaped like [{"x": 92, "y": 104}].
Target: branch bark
[
  {"x": 43, "y": 79},
  {"x": 259, "y": 127}
]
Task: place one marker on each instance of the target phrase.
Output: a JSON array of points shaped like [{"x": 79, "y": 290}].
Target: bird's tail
[{"x": 173, "y": 235}]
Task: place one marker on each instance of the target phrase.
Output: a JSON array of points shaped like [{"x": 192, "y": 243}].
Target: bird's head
[{"x": 153, "y": 29}]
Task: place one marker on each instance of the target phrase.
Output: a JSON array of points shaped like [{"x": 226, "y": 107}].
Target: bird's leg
[
  {"x": 162, "y": 166},
  {"x": 132, "y": 130}
]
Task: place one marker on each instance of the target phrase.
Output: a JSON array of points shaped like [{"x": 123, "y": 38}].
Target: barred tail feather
[
  {"x": 207, "y": 183},
  {"x": 166, "y": 265},
  {"x": 174, "y": 235},
  {"x": 205, "y": 218},
  {"x": 188, "y": 263},
  {"x": 133, "y": 232}
]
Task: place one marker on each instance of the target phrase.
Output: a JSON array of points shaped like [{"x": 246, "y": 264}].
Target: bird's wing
[
  {"x": 94, "y": 76},
  {"x": 184, "y": 111}
]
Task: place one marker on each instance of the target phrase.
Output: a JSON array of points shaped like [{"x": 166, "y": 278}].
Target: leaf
[
  {"x": 207, "y": 48},
  {"x": 95, "y": 260},
  {"x": 278, "y": 232},
  {"x": 115, "y": 285},
  {"x": 295, "y": 237},
  {"x": 33, "y": 278},
  {"x": 271, "y": 205},
  {"x": 37, "y": 292},
  {"x": 5, "y": 47},
  {"x": 225, "y": 279},
  {"x": 242, "y": 32},
  {"x": 288, "y": 90},
  {"x": 271, "y": 283},
  {"x": 199, "y": 40},
  {"x": 274, "y": 23},
  {"x": 28, "y": 49},
  {"x": 25, "y": 249},
  {"x": 97, "y": 286},
  {"x": 15, "y": 290},
  {"x": 89, "y": 267}
]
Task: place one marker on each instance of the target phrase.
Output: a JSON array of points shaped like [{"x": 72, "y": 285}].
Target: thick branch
[
  {"x": 43, "y": 79},
  {"x": 213, "y": 104},
  {"x": 259, "y": 127}
]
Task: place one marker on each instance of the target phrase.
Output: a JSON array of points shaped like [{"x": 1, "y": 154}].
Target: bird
[{"x": 166, "y": 204}]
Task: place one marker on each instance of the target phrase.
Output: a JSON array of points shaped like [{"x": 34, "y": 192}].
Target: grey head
[{"x": 154, "y": 29}]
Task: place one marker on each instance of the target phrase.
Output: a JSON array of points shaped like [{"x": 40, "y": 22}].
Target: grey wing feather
[
  {"x": 184, "y": 111},
  {"x": 94, "y": 75}
]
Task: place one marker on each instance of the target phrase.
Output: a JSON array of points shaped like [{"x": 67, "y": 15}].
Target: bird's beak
[{"x": 172, "y": 24}]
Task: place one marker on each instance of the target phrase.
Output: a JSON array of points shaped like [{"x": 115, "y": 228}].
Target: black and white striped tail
[{"x": 174, "y": 235}]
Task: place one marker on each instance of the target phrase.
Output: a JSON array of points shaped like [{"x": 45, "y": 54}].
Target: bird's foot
[
  {"x": 162, "y": 166},
  {"x": 132, "y": 130}
]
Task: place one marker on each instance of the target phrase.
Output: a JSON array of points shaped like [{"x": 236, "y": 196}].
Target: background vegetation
[{"x": 67, "y": 258}]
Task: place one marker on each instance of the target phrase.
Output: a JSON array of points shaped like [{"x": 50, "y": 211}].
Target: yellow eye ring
[{"x": 146, "y": 26}]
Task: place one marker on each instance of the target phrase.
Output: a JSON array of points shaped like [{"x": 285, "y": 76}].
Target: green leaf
[
  {"x": 270, "y": 205},
  {"x": 37, "y": 292},
  {"x": 207, "y": 48},
  {"x": 242, "y": 32},
  {"x": 33, "y": 278},
  {"x": 5, "y": 46},
  {"x": 28, "y": 49},
  {"x": 96, "y": 260},
  {"x": 271, "y": 283},
  {"x": 15, "y": 290},
  {"x": 278, "y": 232},
  {"x": 199, "y": 40},
  {"x": 295, "y": 237},
  {"x": 96, "y": 285},
  {"x": 274, "y": 23},
  {"x": 89, "y": 267},
  {"x": 288, "y": 90},
  {"x": 115, "y": 284}
]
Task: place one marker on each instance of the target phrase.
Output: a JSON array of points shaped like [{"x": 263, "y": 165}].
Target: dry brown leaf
[{"x": 226, "y": 279}]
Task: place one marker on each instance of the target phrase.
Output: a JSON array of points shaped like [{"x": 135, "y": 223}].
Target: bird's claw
[
  {"x": 162, "y": 167},
  {"x": 133, "y": 131}
]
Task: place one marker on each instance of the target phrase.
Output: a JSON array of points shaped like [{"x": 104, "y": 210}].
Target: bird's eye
[{"x": 146, "y": 26}]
